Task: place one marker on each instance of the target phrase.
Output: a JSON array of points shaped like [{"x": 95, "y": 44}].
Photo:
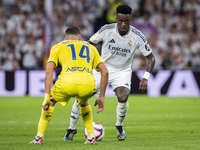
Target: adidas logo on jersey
[{"x": 112, "y": 41}]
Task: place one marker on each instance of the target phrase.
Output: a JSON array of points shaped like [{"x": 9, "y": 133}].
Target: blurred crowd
[{"x": 27, "y": 31}]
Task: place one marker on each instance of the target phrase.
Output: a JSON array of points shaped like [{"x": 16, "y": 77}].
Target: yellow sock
[
  {"x": 44, "y": 120},
  {"x": 86, "y": 114}
]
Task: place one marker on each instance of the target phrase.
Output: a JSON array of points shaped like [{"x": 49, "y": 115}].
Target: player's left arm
[
  {"x": 151, "y": 62},
  {"x": 103, "y": 84},
  {"x": 48, "y": 83},
  {"x": 150, "y": 65}
]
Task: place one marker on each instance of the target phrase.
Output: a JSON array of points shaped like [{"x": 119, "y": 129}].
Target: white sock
[
  {"x": 122, "y": 109},
  {"x": 75, "y": 115}
]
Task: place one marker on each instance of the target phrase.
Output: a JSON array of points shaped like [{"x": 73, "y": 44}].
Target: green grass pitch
[{"x": 160, "y": 123}]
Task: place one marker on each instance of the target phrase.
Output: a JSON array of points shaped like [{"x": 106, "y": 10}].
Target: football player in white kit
[{"x": 119, "y": 43}]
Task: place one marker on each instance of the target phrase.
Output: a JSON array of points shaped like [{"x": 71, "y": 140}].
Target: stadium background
[{"x": 28, "y": 29}]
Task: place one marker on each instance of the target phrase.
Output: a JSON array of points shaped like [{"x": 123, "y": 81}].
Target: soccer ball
[{"x": 98, "y": 131}]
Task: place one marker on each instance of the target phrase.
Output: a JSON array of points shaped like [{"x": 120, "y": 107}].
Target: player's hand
[
  {"x": 100, "y": 102},
  {"x": 143, "y": 84},
  {"x": 46, "y": 102}
]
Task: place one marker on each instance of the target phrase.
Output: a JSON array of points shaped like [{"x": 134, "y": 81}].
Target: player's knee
[
  {"x": 122, "y": 97},
  {"x": 122, "y": 94}
]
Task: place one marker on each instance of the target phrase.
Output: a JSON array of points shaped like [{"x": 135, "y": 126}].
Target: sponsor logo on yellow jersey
[{"x": 79, "y": 69}]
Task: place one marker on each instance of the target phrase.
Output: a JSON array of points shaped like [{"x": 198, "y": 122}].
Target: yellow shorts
[{"x": 62, "y": 94}]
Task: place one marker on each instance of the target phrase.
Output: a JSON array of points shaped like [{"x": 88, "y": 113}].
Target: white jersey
[{"x": 118, "y": 51}]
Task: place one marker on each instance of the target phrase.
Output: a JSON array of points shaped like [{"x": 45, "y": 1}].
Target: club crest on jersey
[{"x": 129, "y": 43}]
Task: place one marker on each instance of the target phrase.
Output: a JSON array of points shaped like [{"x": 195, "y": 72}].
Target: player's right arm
[
  {"x": 48, "y": 83},
  {"x": 103, "y": 84},
  {"x": 52, "y": 63}
]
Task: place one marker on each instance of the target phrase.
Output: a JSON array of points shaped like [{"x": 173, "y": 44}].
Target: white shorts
[{"x": 116, "y": 79}]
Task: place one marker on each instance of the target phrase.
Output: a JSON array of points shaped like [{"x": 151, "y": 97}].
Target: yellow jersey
[{"x": 77, "y": 59}]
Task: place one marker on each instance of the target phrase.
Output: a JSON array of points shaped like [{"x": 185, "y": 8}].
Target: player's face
[{"x": 123, "y": 21}]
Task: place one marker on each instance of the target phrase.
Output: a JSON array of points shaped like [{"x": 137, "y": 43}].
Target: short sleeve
[
  {"x": 53, "y": 55},
  {"x": 144, "y": 47},
  {"x": 97, "y": 37},
  {"x": 97, "y": 59}
]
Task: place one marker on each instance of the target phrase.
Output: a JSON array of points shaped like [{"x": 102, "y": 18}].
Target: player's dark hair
[
  {"x": 124, "y": 9},
  {"x": 72, "y": 30}
]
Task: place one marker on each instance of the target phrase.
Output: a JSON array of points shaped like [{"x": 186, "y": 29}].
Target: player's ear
[
  {"x": 130, "y": 17},
  {"x": 65, "y": 37},
  {"x": 116, "y": 17},
  {"x": 80, "y": 38}
]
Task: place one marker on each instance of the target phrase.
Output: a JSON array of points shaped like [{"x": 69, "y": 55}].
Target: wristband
[
  {"x": 47, "y": 96},
  {"x": 146, "y": 75},
  {"x": 46, "y": 99}
]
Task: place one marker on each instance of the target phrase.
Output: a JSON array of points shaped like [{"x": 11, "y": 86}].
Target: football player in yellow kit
[{"x": 77, "y": 59}]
